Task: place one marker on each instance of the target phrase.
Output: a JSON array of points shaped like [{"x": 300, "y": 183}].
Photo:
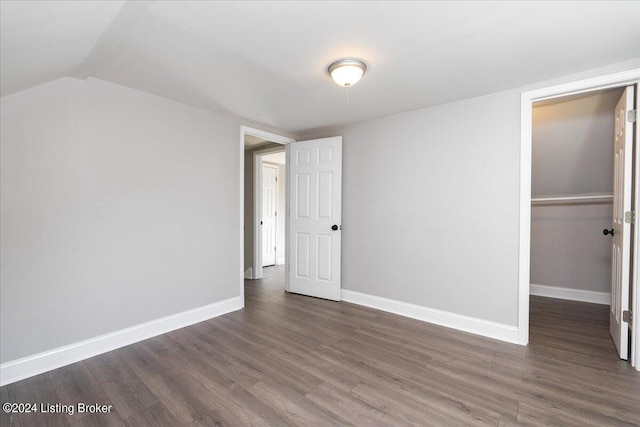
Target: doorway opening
[
  {"x": 313, "y": 212},
  {"x": 255, "y": 146},
  {"x": 578, "y": 88},
  {"x": 572, "y": 203}
]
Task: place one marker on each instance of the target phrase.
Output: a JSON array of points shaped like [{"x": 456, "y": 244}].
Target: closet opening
[{"x": 577, "y": 195}]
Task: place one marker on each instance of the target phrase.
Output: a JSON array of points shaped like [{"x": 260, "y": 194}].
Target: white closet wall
[{"x": 572, "y": 155}]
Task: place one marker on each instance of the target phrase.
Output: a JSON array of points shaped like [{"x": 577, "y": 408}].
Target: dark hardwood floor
[{"x": 291, "y": 360}]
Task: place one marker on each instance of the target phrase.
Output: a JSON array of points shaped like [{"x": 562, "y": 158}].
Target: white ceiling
[
  {"x": 41, "y": 41},
  {"x": 266, "y": 61}
]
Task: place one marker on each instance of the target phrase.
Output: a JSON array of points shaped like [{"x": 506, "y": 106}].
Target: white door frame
[
  {"x": 256, "y": 269},
  {"x": 625, "y": 78},
  {"x": 280, "y": 139}
]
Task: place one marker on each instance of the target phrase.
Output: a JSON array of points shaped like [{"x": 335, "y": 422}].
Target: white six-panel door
[
  {"x": 315, "y": 203},
  {"x": 621, "y": 239},
  {"x": 269, "y": 206}
]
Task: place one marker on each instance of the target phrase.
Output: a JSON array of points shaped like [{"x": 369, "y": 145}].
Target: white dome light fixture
[{"x": 347, "y": 72}]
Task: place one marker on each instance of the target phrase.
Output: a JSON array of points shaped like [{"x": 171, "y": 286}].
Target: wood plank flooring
[{"x": 291, "y": 360}]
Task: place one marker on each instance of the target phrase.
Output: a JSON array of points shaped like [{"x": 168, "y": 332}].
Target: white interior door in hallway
[
  {"x": 621, "y": 227},
  {"x": 269, "y": 212},
  {"x": 315, "y": 216}
]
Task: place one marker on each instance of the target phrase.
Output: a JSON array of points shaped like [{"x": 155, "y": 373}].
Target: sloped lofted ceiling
[
  {"x": 266, "y": 61},
  {"x": 44, "y": 41}
]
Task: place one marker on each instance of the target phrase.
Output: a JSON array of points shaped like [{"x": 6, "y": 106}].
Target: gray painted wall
[
  {"x": 117, "y": 208},
  {"x": 572, "y": 153},
  {"x": 568, "y": 249},
  {"x": 431, "y": 203},
  {"x": 430, "y": 207},
  {"x": 572, "y": 146}
]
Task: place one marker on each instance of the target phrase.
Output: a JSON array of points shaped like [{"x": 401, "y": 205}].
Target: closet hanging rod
[{"x": 577, "y": 199}]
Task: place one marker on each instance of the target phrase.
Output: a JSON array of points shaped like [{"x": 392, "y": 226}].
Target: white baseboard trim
[
  {"x": 473, "y": 325},
  {"x": 280, "y": 261},
  {"x": 248, "y": 273},
  {"x": 29, "y": 366},
  {"x": 571, "y": 294}
]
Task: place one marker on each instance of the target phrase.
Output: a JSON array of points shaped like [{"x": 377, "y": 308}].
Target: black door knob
[
  {"x": 605, "y": 232},
  {"x": 334, "y": 227}
]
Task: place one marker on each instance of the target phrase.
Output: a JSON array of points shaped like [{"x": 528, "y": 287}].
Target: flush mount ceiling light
[{"x": 347, "y": 72}]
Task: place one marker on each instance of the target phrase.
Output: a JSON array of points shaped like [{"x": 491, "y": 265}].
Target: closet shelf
[{"x": 573, "y": 200}]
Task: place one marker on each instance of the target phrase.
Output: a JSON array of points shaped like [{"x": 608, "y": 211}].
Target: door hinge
[
  {"x": 632, "y": 116},
  {"x": 627, "y": 316},
  {"x": 630, "y": 217},
  {"x": 276, "y": 179}
]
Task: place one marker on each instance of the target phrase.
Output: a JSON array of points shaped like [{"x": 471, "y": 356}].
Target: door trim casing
[{"x": 625, "y": 78}]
